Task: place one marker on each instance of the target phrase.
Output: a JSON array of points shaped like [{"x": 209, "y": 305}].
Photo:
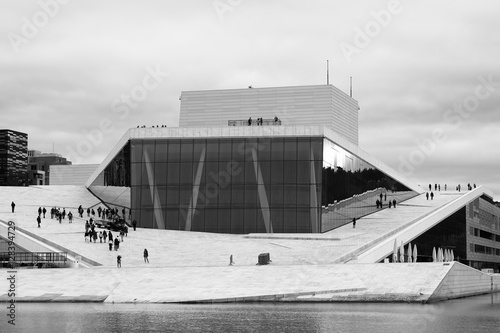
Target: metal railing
[
  {"x": 254, "y": 122},
  {"x": 33, "y": 258}
]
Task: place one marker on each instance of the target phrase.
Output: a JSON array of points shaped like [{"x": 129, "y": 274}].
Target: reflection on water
[{"x": 476, "y": 314}]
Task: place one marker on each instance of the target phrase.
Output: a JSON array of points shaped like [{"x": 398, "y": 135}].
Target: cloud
[{"x": 428, "y": 58}]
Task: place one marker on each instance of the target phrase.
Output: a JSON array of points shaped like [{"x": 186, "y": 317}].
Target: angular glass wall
[
  {"x": 231, "y": 185},
  {"x": 351, "y": 188},
  {"x": 448, "y": 234},
  {"x": 113, "y": 184}
]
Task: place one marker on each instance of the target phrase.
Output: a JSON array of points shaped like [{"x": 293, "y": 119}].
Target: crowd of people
[
  {"x": 437, "y": 187},
  {"x": 157, "y": 126},
  {"x": 91, "y": 233},
  {"x": 260, "y": 121}
]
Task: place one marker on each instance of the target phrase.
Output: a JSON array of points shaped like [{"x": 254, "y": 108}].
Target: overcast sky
[{"x": 425, "y": 73}]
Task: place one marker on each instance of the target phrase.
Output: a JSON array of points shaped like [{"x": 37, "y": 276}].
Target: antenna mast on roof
[
  {"x": 327, "y": 73},
  {"x": 350, "y": 90}
]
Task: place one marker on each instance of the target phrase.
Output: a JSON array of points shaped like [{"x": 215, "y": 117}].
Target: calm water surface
[{"x": 476, "y": 314}]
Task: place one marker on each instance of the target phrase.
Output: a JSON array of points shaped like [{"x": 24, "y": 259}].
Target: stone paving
[
  {"x": 179, "y": 248},
  {"x": 231, "y": 283},
  {"x": 193, "y": 266}
]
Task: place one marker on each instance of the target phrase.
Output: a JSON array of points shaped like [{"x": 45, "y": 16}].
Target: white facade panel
[
  {"x": 76, "y": 174},
  {"x": 323, "y": 105}
]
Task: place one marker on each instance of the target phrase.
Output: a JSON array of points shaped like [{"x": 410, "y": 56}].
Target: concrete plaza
[{"x": 193, "y": 266}]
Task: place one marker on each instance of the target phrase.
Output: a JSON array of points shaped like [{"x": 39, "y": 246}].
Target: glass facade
[
  {"x": 351, "y": 188},
  {"x": 113, "y": 185},
  {"x": 231, "y": 185},
  {"x": 244, "y": 185},
  {"x": 448, "y": 234}
]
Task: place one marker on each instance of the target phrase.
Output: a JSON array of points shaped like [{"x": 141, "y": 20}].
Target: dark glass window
[
  {"x": 172, "y": 218},
  {"x": 290, "y": 150},
  {"x": 148, "y": 151},
  {"x": 250, "y": 220},
  {"x": 199, "y": 149},
  {"x": 187, "y": 151},
  {"x": 264, "y": 149},
  {"x": 277, "y": 149},
  {"x": 238, "y": 150},
  {"x": 303, "y": 172},
  {"x": 237, "y": 196},
  {"x": 251, "y": 150},
  {"x": 251, "y": 196},
  {"x": 136, "y": 148},
  {"x": 211, "y": 220},
  {"x": 224, "y": 220},
  {"x": 224, "y": 197},
  {"x": 174, "y": 151},
  {"x": 161, "y": 153},
  {"x": 303, "y": 150},
  {"x": 186, "y": 177},
  {"x": 276, "y": 172},
  {"x": 237, "y": 217},
  {"x": 161, "y": 173},
  {"x": 173, "y": 173},
  {"x": 290, "y": 195},
  {"x": 172, "y": 196},
  {"x": 290, "y": 172},
  {"x": 225, "y": 151},
  {"x": 135, "y": 174},
  {"x": 213, "y": 150},
  {"x": 277, "y": 220}
]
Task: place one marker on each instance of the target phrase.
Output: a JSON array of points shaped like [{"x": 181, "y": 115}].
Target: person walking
[
  {"x": 146, "y": 254},
  {"x": 117, "y": 243},
  {"x": 70, "y": 217},
  {"x": 104, "y": 235},
  {"x": 13, "y": 205},
  {"x": 354, "y": 223},
  {"x": 39, "y": 220},
  {"x": 110, "y": 244},
  {"x": 432, "y": 196},
  {"x": 118, "y": 261},
  {"x": 134, "y": 224},
  {"x": 394, "y": 203},
  {"x": 44, "y": 211},
  {"x": 427, "y": 195},
  {"x": 100, "y": 236}
]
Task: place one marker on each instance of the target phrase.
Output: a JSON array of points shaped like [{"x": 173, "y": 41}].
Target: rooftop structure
[{"x": 324, "y": 105}]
